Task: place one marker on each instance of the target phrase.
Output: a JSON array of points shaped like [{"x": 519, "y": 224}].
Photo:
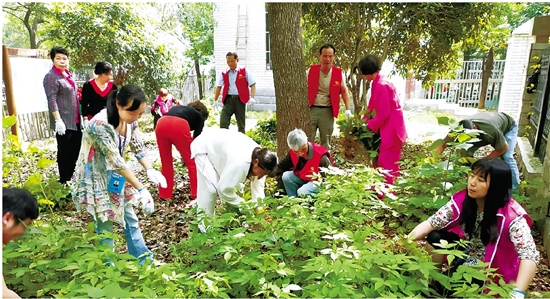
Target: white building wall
[
  {"x": 515, "y": 70},
  {"x": 225, "y": 37}
]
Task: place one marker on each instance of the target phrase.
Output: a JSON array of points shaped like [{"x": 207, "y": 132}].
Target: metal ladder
[{"x": 241, "y": 42}]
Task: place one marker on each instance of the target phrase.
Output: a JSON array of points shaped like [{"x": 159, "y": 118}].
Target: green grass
[{"x": 259, "y": 114}]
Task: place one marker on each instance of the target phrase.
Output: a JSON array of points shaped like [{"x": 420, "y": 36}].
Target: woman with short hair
[
  {"x": 61, "y": 91},
  {"x": 174, "y": 128},
  {"x": 96, "y": 90},
  {"x": 388, "y": 120},
  {"x": 163, "y": 103}
]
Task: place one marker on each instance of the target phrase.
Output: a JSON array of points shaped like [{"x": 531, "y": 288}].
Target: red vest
[
  {"x": 501, "y": 254},
  {"x": 335, "y": 86},
  {"x": 312, "y": 165},
  {"x": 240, "y": 82}
]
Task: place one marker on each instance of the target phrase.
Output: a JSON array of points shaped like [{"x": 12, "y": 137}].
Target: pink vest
[
  {"x": 334, "y": 87},
  {"x": 240, "y": 82},
  {"x": 502, "y": 254},
  {"x": 312, "y": 165}
]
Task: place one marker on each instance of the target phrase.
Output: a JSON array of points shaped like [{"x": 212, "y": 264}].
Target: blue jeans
[
  {"x": 132, "y": 232},
  {"x": 296, "y": 186},
  {"x": 508, "y": 156}
]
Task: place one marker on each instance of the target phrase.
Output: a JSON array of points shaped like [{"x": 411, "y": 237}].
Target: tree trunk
[
  {"x": 120, "y": 78},
  {"x": 356, "y": 80},
  {"x": 487, "y": 71},
  {"x": 199, "y": 77},
  {"x": 289, "y": 74}
]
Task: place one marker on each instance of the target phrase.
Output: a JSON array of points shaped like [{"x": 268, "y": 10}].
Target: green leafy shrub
[
  {"x": 358, "y": 142},
  {"x": 55, "y": 259},
  {"x": 265, "y": 133},
  {"x": 29, "y": 168},
  {"x": 335, "y": 244}
]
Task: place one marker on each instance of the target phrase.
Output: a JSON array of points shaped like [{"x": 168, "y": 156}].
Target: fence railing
[
  {"x": 465, "y": 89},
  {"x": 35, "y": 125},
  {"x": 32, "y": 126}
]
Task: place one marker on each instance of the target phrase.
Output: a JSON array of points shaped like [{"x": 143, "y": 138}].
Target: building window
[{"x": 268, "y": 65}]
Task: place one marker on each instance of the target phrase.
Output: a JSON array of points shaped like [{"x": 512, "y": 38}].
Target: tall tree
[
  {"x": 289, "y": 75},
  {"x": 197, "y": 20},
  {"x": 120, "y": 33},
  {"x": 521, "y": 12},
  {"x": 488, "y": 43},
  {"x": 31, "y": 14},
  {"x": 417, "y": 37},
  {"x": 14, "y": 34}
]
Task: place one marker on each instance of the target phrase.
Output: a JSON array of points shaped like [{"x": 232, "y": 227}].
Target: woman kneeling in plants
[{"x": 496, "y": 226}]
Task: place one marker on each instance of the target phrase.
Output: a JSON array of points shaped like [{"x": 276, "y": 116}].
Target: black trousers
[
  {"x": 436, "y": 237},
  {"x": 156, "y": 118},
  {"x": 68, "y": 148},
  {"x": 233, "y": 105}
]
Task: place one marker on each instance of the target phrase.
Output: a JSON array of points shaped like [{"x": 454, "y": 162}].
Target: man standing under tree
[
  {"x": 235, "y": 82},
  {"x": 325, "y": 84}
]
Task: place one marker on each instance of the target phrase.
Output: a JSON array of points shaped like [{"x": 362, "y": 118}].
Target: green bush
[
  {"x": 336, "y": 244},
  {"x": 55, "y": 259},
  {"x": 30, "y": 169},
  {"x": 343, "y": 242},
  {"x": 265, "y": 133},
  {"x": 358, "y": 142}
]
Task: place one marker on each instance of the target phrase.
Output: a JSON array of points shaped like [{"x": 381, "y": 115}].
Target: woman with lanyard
[{"x": 104, "y": 184}]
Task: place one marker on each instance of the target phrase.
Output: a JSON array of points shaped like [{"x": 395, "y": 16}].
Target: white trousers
[{"x": 207, "y": 182}]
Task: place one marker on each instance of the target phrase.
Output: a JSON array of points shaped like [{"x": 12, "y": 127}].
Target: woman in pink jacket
[
  {"x": 498, "y": 228},
  {"x": 163, "y": 103},
  {"x": 388, "y": 118}
]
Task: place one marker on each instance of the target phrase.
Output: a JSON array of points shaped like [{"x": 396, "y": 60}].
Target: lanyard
[{"x": 121, "y": 141}]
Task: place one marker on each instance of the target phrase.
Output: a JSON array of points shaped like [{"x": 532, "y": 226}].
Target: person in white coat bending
[{"x": 225, "y": 158}]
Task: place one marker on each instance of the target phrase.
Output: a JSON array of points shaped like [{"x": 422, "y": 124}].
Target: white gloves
[
  {"x": 348, "y": 113},
  {"x": 85, "y": 123},
  {"x": 516, "y": 294},
  {"x": 60, "y": 127},
  {"x": 251, "y": 101},
  {"x": 147, "y": 203},
  {"x": 156, "y": 177}
]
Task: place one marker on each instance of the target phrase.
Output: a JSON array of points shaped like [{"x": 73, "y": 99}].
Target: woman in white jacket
[{"x": 225, "y": 158}]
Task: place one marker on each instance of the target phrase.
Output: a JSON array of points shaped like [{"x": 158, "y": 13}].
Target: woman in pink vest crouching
[{"x": 498, "y": 228}]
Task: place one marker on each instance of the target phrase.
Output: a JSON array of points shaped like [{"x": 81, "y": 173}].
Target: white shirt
[{"x": 230, "y": 153}]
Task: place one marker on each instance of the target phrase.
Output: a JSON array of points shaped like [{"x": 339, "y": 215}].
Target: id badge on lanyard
[
  {"x": 116, "y": 183},
  {"x": 116, "y": 180}
]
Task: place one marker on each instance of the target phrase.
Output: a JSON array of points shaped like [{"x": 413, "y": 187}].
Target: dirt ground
[{"x": 167, "y": 226}]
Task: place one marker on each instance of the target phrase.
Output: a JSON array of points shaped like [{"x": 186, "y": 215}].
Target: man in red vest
[
  {"x": 303, "y": 161},
  {"x": 325, "y": 84},
  {"x": 235, "y": 95}
]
